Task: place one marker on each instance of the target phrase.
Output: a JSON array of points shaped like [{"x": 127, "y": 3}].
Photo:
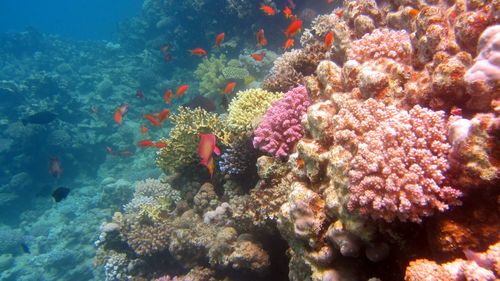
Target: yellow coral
[
  {"x": 182, "y": 143},
  {"x": 247, "y": 108}
]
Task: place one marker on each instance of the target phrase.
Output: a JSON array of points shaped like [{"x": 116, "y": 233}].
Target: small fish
[
  {"x": 330, "y": 1},
  {"x": 268, "y": 10},
  {"x": 94, "y": 109},
  {"x": 160, "y": 145},
  {"x": 144, "y": 129},
  {"x": 163, "y": 115},
  {"x": 289, "y": 43},
  {"x": 120, "y": 112},
  {"x": 181, "y": 90},
  {"x": 60, "y": 193},
  {"x": 40, "y": 118},
  {"x": 201, "y": 102},
  {"x": 413, "y": 12},
  {"x": 168, "y": 96},
  {"x": 339, "y": 13},
  {"x": 206, "y": 148},
  {"x": 139, "y": 94},
  {"x": 151, "y": 118},
  {"x": 257, "y": 56},
  {"x": 261, "y": 38},
  {"x": 25, "y": 248},
  {"x": 328, "y": 39},
  {"x": 146, "y": 143},
  {"x": 198, "y": 52},
  {"x": 55, "y": 168},
  {"x": 218, "y": 39},
  {"x": 229, "y": 87},
  {"x": 109, "y": 150},
  {"x": 293, "y": 28},
  {"x": 288, "y": 12}
]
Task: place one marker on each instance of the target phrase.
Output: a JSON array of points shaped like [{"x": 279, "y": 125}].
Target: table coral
[{"x": 280, "y": 128}]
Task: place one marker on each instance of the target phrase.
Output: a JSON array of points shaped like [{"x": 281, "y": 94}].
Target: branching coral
[
  {"x": 247, "y": 109},
  {"x": 184, "y": 136},
  {"x": 280, "y": 128}
]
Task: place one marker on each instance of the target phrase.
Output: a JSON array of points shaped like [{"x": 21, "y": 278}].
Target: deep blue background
[{"x": 78, "y": 19}]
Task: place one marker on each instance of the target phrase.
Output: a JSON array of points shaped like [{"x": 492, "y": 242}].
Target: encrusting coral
[{"x": 182, "y": 143}]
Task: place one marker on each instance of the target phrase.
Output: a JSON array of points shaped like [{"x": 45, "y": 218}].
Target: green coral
[
  {"x": 234, "y": 71},
  {"x": 247, "y": 109},
  {"x": 182, "y": 143}
]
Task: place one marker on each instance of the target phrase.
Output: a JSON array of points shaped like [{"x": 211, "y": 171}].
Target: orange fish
[
  {"x": 168, "y": 95},
  {"x": 120, "y": 112},
  {"x": 288, "y": 12},
  {"x": 219, "y": 38},
  {"x": 261, "y": 39},
  {"x": 328, "y": 39},
  {"x": 330, "y": 1},
  {"x": 163, "y": 115},
  {"x": 268, "y": 10},
  {"x": 206, "y": 148},
  {"x": 145, "y": 143},
  {"x": 257, "y": 56},
  {"x": 181, "y": 90},
  {"x": 289, "y": 43},
  {"x": 160, "y": 144},
  {"x": 413, "y": 12},
  {"x": 339, "y": 13},
  {"x": 144, "y": 129},
  {"x": 152, "y": 119},
  {"x": 198, "y": 52},
  {"x": 229, "y": 87},
  {"x": 293, "y": 28}
]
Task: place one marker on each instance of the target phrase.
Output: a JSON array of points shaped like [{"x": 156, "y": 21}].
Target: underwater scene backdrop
[{"x": 209, "y": 140}]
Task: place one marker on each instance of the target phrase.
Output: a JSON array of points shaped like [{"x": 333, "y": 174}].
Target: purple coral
[
  {"x": 281, "y": 127},
  {"x": 400, "y": 161}
]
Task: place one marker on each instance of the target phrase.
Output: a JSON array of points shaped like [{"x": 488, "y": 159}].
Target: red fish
[
  {"x": 268, "y": 10},
  {"x": 289, "y": 43},
  {"x": 146, "y": 143},
  {"x": 288, "y": 12},
  {"x": 219, "y": 38},
  {"x": 206, "y": 148},
  {"x": 152, "y": 119},
  {"x": 257, "y": 56},
  {"x": 144, "y": 129},
  {"x": 168, "y": 96},
  {"x": 55, "y": 168},
  {"x": 163, "y": 115},
  {"x": 198, "y": 52},
  {"x": 181, "y": 90},
  {"x": 229, "y": 87},
  {"x": 160, "y": 144},
  {"x": 328, "y": 39},
  {"x": 120, "y": 112},
  {"x": 261, "y": 38},
  {"x": 293, "y": 28},
  {"x": 139, "y": 94}
]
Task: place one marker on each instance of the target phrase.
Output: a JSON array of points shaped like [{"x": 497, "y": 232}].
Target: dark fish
[
  {"x": 41, "y": 118},
  {"x": 60, "y": 193},
  {"x": 202, "y": 102},
  {"x": 225, "y": 102},
  {"x": 25, "y": 248}
]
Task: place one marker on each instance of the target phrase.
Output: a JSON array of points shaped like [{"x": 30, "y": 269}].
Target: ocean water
[{"x": 77, "y": 79}]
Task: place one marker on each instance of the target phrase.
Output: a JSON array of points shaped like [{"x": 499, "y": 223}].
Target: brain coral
[
  {"x": 182, "y": 142},
  {"x": 400, "y": 161},
  {"x": 247, "y": 108},
  {"x": 280, "y": 129}
]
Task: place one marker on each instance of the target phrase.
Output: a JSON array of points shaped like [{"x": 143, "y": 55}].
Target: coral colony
[{"x": 374, "y": 152}]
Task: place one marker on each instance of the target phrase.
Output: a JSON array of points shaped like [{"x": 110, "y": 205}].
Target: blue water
[{"x": 78, "y": 19}]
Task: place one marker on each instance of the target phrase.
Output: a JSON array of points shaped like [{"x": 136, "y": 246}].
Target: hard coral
[
  {"x": 280, "y": 128},
  {"x": 399, "y": 166},
  {"x": 182, "y": 143},
  {"x": 247, "y": 108}
]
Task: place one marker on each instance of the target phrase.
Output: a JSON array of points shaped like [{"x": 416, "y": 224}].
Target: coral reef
[{"x": 280, "y": 128}]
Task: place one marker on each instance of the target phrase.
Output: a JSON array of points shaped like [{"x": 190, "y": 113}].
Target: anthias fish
[{"x": 206, "y": 148}]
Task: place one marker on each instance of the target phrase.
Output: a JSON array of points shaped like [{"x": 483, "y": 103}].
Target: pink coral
[
  {"x": 400, "y": 160},
  {"x": 281, "y": 127},
  {"x": 382, "y": 43}
]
